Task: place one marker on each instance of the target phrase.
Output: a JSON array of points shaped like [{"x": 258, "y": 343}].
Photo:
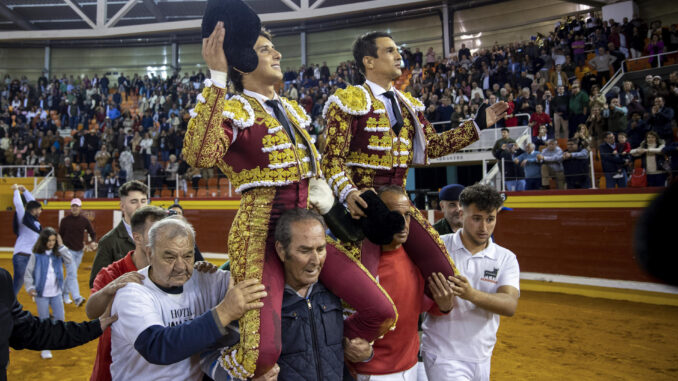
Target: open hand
[
  {"x": 239, "y": 299},
  {"x": 121, "y": 281},
  {"x": 213, "y": 49},
  {"x": 495, "y": 113}
]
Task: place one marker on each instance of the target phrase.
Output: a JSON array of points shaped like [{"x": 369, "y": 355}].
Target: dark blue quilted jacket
[{"x": 312, "y": 331}]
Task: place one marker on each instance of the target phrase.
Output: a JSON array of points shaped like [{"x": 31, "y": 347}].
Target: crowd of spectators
[{"x": 104, "y": 132}]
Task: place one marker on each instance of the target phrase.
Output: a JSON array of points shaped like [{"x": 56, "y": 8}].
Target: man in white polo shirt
[{"x": 458, "y": 346}]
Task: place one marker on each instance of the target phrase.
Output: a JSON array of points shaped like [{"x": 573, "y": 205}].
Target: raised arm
[
  {"x": 468, "y": 132},
  {"x": 206, "y": 140}
]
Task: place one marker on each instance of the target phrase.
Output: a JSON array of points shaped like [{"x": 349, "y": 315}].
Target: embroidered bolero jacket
[
  {"x": 246, "y": 143},
  {"x": 361, "y": 141}
]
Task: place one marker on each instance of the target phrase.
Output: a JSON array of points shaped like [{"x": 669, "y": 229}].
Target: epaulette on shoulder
[
  {"x": 353, "y": 100},
  {"x": 415, "y": 103},
  {"x": 297, "y": 112},
  {"x": 239, "y": 111}
]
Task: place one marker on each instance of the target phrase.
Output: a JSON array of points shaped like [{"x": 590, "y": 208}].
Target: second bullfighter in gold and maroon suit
[{"x": 363, "y": 151}]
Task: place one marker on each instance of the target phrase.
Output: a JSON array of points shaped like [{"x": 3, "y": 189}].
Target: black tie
[
  {"x": 396, "y": 111},
  {"x": 282, "y": 118}
]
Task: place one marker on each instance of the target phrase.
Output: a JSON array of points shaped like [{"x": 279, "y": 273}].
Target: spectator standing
[
  {"x": 514, "y": 175},
  {"x": 577, "y": 107},
  {"x": 576, "y": 165},
  {"x": 119, "y": 240},
  {"x": 539, "y": 118},
  {"x": 27, "y": 228},
  {"x": 612, "y": 163},
  {"x": 146, "y": 145},
  {"x": 651, "y": 152},
  {"x": 661, "y": 118},
  {"x": 602, "y": 64},
  {"x": 44, "y": 276},
  {"x": 616, "y": 116},
  {"x": 560, "y": 112},
  {"x": 71, "y": 230},
  {"x": 127, "y": 163},
  {"x": 530, "y": 163},
  {"x": 449, "y": 204},
  {"x": 552, "y": 167},
  {"x": 502, "y": 142},
  {"x": 459, "y": 345}
]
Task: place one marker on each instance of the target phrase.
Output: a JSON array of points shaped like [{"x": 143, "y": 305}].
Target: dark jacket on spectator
[
  {"x": 637, "y": 134},
  {"x": 661, "y": 123},
  {"x": 312, "y": 330},
  {"x": 609, "y": 160},
  {"x": 112, "y": 247},
  {"x": 21, "y": 330}
]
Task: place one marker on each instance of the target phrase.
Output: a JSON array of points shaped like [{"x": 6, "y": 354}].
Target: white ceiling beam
[
  {"x": 317, "y": 4},
  {"x": 17, "y": 19},
  {"x": 155, "y": 10},
  {"x": 304, "y": 4},
  {"x": 102, "y": 12},
  {"x": 121, "y": 13},
  {"x": 290, "y": 4},
  {"x": 76, "y": 8},
  {"x": 174, "y": 26}
]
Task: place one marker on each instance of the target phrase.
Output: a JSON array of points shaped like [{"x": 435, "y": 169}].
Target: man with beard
[{"x": 449, "y": 205}]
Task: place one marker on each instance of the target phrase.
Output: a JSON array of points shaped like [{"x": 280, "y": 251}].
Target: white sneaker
[
  {"x": 46, "y": 354},
  {"x": 67, "y": 300}
]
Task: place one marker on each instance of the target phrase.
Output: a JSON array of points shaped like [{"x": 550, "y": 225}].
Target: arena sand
[{"x": 551, "y": 337}]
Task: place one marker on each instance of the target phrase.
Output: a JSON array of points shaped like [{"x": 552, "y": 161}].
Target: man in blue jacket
[
  {"x": 528, "y": 160},
  {"x": 312, "y": 318}
]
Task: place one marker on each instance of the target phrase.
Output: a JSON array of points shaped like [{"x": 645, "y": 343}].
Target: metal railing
[
  {"x": 44, "y": 184},
  {"x": 623, "y": 68},
  {"x": 496, "y": 176}
]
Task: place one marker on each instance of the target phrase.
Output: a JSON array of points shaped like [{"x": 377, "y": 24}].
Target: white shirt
[
  {"x": 378, "y": 92},
  {"x": 27, "y": 237},
  {"x": 262, "y": 100},
  {"x": 51, "y": 287},
  {"x": 468, "y": 333},
  {"x": 142, "y": 306},
  {"x": 128, "y": 227}
]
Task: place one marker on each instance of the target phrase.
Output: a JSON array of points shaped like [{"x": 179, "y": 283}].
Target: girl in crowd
[{"x": 44, "y": 277}]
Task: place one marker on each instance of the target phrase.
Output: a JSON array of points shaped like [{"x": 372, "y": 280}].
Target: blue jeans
[
  {"x": 19, "y": 262},
  {"x": 610, "y": 182},
  {"x": 515, "y": 185},
  {"x": 57, "y": 307},
  {"x": 71, "y": 282}
]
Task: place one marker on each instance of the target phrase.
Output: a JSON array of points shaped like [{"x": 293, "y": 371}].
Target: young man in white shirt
[
  {"x": 458, "y": 346},
  {"x": 165, "y": 322}
]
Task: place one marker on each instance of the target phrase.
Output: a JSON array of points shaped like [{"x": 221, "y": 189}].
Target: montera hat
[
  {"x": 242, "y": 27},
  {"x": 450, "y": 192}
]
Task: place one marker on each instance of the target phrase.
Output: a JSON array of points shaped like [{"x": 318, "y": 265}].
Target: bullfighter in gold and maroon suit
[
  {"x": 374, "y": 134},
  {"x": 259, "y": 141}
]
